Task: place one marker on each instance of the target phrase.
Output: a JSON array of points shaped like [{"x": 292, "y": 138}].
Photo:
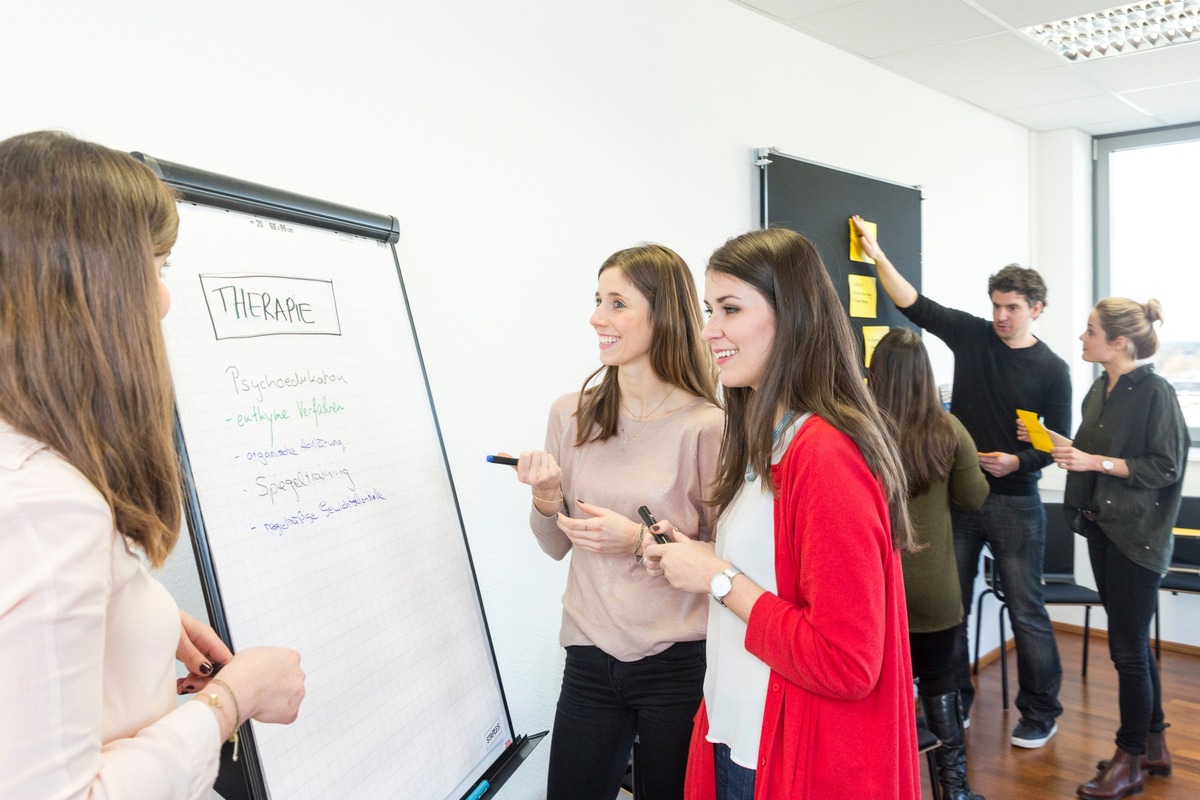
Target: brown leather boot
[
  {"x": 1157, "y": 760},
  {"x": 1121, "y": 778}
]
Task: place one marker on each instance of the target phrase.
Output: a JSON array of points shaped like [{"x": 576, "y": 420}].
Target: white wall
[{"x": 518, "y": 143}]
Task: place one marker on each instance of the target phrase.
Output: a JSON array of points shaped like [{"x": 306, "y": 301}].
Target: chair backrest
[
  {"x": 1187, "y": 548},
  {"x": 1058, "y": 566},
  {"x": 1189, "y": 513},
  {"x": 1187, "y": 552}
]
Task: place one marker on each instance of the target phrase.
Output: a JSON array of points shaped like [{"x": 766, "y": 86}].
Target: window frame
[{"x": 1103, "y": 148}]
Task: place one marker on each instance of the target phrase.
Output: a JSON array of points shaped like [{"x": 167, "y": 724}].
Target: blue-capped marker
[
  {"x": 512, "y": 462},
  {"x": 483, "y": 786}
]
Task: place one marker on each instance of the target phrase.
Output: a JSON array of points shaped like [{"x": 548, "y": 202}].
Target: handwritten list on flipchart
[{"x": 328, "y": 505}]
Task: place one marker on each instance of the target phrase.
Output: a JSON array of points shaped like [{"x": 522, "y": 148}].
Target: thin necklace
[
  {"x": 751, "y": 475},
  {"x": 651, "y": 411},
  {"x": 626, "y": 439}
]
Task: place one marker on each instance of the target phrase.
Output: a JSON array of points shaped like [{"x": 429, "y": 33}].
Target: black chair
[
  {"x": 991, "y": 578},
  {"x": 632, "y": 782},
  {"x": 1058, "y": 587},
  {"x": 1058, "y": 573},
  {"x": 926, "y": 744},
  {"x": 1184, "y": 571}
]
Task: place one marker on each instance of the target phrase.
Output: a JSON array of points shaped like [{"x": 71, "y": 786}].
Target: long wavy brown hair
[
  {"x": 678, "y": 354},
  {"x": 83, "y": 364},
  {"x": 813, "y": 366},
  {"x": 901, "y": 378}
]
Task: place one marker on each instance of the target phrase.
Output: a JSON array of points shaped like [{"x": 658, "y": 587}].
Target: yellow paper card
[
  {"x": 1038, "y": 436},
  {"x": 871, "y": 336},
  {"x": 856, "y": 253},
  {"x": 862, "y": 296}
]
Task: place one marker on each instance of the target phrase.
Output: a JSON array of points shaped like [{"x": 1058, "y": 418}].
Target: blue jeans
[
  {"x": 734, "y": 782},
  {"x": 604, "y": 703},
  {"x": 1130, "y": 596},
  {"x": 1014, "y": 529}
]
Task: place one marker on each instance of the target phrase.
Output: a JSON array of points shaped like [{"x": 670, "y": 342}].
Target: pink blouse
[{"x": 87, "y": 648}]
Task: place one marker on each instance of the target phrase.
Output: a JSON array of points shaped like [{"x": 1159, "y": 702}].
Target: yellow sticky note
[
  {"x": 871, "y": 336},
  {"x": 862, "y": 296},
  {"x": 856, "y": 253},
  {"x": 1038, "y": 436}
]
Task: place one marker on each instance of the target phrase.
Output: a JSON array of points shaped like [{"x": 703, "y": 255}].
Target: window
[{"x": 1147, "y": 219}]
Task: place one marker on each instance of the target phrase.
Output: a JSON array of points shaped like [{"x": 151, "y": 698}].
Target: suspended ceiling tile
[
  {"x": 1177, "y": 99},
  {"x": 791, "y": 9},
  {"x": 881, "y": 27},
  {"x": 1078, "y": 113},
  {"x": 1023, "y": 13},
  {"x": 1144, "y": 69},
  {"x": 1026, "y": 89},
  {"x": 977, "y": 59}
]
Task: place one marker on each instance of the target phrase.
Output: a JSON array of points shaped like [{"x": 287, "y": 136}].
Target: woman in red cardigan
[{"x": 809, "y": 686}]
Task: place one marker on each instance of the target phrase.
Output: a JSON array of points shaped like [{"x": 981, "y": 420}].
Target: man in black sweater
[{"x": 999, "y": 367}]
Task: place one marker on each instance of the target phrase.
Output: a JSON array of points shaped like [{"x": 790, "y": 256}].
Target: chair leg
[
  {"x": 1087, "y": 626},
  {"x": 934, "y": 788},
  {"x": 636, "y": 763},
  {"x": 1003, "y": 659},
  {"x": 978, "y": 609}
]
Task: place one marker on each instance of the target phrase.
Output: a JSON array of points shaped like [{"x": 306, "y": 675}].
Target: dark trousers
[
  {"x": 604, "y": 703},
  {"x": 1130, "y": 596},
  {"x": 933, "y": 661},
  {"x": 1014, "y": 528}
]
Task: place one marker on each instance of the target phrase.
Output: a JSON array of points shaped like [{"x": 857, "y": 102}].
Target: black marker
[
  {"x": 512, "y": 462},
  {"x": 650, "y": 521}
]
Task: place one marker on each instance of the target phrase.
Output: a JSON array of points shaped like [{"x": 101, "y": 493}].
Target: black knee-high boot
[{"x": 943, "y": 718}]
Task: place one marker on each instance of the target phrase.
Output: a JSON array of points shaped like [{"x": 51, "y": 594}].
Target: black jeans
[
  {"x": 1130, "y": 596},
  {"x": 604, "y": 703}
]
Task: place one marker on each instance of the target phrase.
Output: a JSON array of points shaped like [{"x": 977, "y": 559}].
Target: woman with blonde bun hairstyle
[{"x": 1125, "y": 479}]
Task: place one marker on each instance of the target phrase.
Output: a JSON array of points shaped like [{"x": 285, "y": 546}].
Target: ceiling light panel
[{"x": 1124, "y": 29}]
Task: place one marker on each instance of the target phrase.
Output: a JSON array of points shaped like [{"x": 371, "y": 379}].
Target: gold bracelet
[
  {"x": 551, "y": 499},
  {"x": 637, "y": 551},
  {"x": 237, "y": 712}
]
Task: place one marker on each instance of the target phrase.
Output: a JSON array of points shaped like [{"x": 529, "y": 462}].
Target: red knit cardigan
[{"x": 838, "y": 720}]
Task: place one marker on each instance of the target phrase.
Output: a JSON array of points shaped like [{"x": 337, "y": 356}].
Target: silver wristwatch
[{"x": 722, "y": 583}]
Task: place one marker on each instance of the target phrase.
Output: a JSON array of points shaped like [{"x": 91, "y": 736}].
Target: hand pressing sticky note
[
  {"x": 1038, "y": 436},
  {"x": 856, "y": 251}
]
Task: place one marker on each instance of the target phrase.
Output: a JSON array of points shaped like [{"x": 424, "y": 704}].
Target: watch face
[
  {"x": 1107, "y": 464},
  {"x": 721, "y": 584}
]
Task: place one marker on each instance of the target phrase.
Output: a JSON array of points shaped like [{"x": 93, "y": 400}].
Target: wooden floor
[{"x": 1086, "y": 729}]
